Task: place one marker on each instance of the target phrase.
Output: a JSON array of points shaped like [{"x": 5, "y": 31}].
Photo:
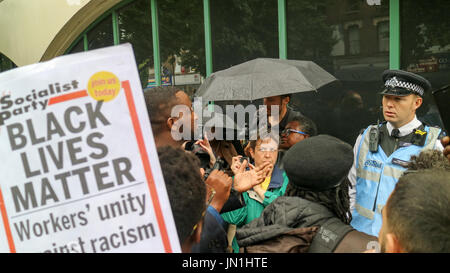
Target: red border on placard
[
  {"x": 147, "y": 168},
  {"x": 145, "y": 162},
  {"x": 12, "y": 247}
]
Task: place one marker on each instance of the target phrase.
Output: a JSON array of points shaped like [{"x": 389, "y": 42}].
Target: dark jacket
[
  {"x": 214, "y": 236},
  {"x": 286, "y": 214},
  {"x": 257, "y": 123},
  {"x": 291, "y": 114}
]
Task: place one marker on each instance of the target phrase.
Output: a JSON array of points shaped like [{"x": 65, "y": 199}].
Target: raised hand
[
  {"x": 246, "y": 180},
  {"x": 221, "y": 183},
  {"x": 204, "y": 143}
]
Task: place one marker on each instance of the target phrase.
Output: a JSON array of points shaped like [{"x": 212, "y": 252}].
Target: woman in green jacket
[{"x": 263, "y": 152}]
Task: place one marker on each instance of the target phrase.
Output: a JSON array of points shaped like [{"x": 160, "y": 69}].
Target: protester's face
[
  {"x": 399, "y": 110},
  {"x": 183, "y": 99},
  {"x": 275, "y": 101},
  {"x": 265, "y": 151},
  {"x": 288, "y": 141}
]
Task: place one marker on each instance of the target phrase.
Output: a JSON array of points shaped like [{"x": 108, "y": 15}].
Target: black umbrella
[{"x": 262, "y": 78}]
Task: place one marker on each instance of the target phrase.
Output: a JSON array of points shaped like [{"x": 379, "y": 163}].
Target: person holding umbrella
[
  {"x": 285, "y": 113},
  {"x": 281, "y": 118},
  {"x": 273, "y": 80}
]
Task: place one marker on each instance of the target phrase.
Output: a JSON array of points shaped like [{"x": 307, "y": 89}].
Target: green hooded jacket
[{"x": 253, "y": 207}]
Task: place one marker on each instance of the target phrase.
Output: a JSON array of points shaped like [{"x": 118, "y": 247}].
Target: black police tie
[{"x": 395, "y": 133}]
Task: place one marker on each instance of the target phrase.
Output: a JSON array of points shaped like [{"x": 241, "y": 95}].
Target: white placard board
[{"x": 79, "y": 169}]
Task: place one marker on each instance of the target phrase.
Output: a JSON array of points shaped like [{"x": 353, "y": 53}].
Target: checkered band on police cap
[{"x": 394, "y": 82}]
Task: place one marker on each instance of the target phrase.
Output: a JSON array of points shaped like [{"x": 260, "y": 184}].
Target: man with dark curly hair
[
  {"x": 428, "y": 159},
  {"x": 165, "y": 121},
  {"x": 187, "y": 193}
]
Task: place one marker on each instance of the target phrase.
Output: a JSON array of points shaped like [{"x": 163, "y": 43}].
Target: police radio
[{"x": 374, "y": 137}]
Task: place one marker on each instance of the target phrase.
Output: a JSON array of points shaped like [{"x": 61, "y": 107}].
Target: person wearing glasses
[
  {"x": 300, "y": 128},
  {"x": 264, "y": 152},
  {"x": 313, "y": 214},
  {"x": 160, "y": 102}
]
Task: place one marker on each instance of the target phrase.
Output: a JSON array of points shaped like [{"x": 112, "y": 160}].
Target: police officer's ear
[{"x": 418, "y": 101}]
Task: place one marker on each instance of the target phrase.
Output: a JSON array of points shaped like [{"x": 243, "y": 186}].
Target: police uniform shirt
[{"x": 403, "y": 131}]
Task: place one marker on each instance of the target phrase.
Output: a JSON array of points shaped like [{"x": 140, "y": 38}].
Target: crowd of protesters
[{"x": 302, "y": 191}]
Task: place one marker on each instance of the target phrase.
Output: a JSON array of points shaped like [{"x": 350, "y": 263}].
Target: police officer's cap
[
  {"x": 318, "y": 163},
  {"x": 403, "y": 83}
]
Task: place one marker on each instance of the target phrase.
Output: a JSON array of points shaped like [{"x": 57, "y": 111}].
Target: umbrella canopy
[
  {"x": 220, "y": 120},
  {"x": 230, "y": 129},
  {"x": 262, "y": 78}
]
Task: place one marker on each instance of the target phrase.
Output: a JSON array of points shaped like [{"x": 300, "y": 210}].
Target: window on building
[
  {"x": 242, "y": 31},
  {"x": 101, "y": 35},
  {"x": 383, "y": 36},
  {"x": 78, "y": 47},
  {"x": 327, "y": 29},
  {"x": 182, "y": 43},
  {"x": 135, "y": 27},
  {"x": 353, "y": 40},
  {"x": 425, "y": 48}
]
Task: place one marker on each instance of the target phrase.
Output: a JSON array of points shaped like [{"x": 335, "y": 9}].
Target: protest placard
[{"x": 79, "y": 169}]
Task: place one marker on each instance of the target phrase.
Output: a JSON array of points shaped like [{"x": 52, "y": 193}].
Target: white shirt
[{"x": 404, "y": 130}]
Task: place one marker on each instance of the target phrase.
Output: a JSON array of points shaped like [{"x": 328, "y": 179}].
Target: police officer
[{"x": 383, "y": 150}]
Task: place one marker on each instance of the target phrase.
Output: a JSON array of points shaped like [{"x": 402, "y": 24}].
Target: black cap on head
[
  {"x": 403, "y": 83},
  {"x": 318, "y": 163}
]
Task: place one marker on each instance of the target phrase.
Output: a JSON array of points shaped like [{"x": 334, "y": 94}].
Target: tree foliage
[
  {"x": 423, "y": 24},
  {"x": 246, "y": 29},
  {"x": 135, "y": 27},
  {"x": 241, "y": 30},
  {"x": 310, "y": 36}
]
